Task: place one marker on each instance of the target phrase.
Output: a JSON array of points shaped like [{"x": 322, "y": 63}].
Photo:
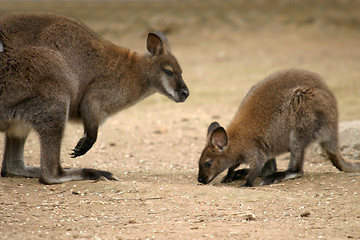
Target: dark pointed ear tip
[
  {"x": 159, "y": 35},
  {"x": 152, "y": 35},
  {"x": 215, "y": 123},
  {"x": 219, "y": 128},
  {"x": 212, "y": 127},
  {"x": 155, "y": 33}
]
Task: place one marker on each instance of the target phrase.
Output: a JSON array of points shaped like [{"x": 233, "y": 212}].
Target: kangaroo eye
[
  {"x": 208, "y": 164},
  {"x": 168, "y": 72}
]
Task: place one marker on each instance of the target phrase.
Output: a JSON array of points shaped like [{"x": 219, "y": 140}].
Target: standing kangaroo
[
  {"x": 283, "y": 113},
  {"x": 53, "y": 68}
]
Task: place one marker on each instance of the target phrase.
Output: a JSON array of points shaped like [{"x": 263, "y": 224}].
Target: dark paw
[
  {"x": 226, "y": 179},
  {"x": 246, "y": 185},
  {"x": 273, "y": 178},
  {"x": 269, "y": 168},
  {"x": 82, "y": 147},
  {"x": 92, "y": 174},
  {"x": 240, "y": 174},
  {"x": 237, "y": 175}
]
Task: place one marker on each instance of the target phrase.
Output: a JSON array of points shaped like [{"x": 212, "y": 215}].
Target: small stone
[
  {"x": 132, "y": 221},
  {"x": 305, "y": 214},
  {"x": 249, "y": 216},
  {"x": 160, "y": 130}
]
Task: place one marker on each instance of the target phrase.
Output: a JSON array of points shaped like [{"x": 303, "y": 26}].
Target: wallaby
[
  {"x": 54, "y": 68},
  {"x": 283, "y": 113}
]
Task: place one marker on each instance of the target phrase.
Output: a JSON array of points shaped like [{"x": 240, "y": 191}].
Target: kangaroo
[
  {"x": 54, "y": 68},
  {"x": 283, "y": 113}
]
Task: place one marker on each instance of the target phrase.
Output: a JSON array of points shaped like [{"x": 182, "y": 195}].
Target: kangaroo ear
[
  {"x": 156, "y": 43},
  {"x": 219, "y": 139},
  {"x": 212, "y": 127}
]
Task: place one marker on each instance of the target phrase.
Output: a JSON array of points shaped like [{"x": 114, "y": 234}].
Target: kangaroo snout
[
  {"x": 202, "y": 180},
  {"x": 182, "y": 94}
]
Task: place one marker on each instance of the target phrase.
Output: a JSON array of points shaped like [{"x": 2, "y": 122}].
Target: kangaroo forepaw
[
  {"x": 82, "y": 147},
  {"x": 247, "y": 185},
  {"x": 240, "y": 174},
  {"x": 227, "y": 179},
  {"x": 236, "y": 175}
]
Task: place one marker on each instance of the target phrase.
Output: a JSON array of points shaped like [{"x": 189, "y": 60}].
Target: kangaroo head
[
  {"x": 213, "y": 159},
  {"x": 165, "y": 73}
]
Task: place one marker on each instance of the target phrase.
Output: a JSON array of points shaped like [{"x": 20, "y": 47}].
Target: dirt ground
[{"x": 153, "y": 147}]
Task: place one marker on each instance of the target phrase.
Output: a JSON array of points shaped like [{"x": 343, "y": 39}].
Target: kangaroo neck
[
  {"x": 239, "y": 143},
  {"x": 124, "y": 80},
  {"x": 132, "y": 69}
]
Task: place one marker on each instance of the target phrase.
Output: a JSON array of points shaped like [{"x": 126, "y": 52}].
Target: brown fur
[
  {"x": 283, "y": 113},
  {"x": 54, "y": 68}
]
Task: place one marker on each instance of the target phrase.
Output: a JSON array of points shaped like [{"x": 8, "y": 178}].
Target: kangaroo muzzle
[{"x": 182, "y": 94}]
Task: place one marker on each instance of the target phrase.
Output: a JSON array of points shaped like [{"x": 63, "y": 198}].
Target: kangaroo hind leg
[
  {"x": 50, "y": 127},
  {"x": 13, "y": 161},
  {"x": 295, "y": 168}
]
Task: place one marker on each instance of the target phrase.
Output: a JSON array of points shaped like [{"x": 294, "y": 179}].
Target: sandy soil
[
  {"x": 158, "y": 197},
  {"x": 153, "y": 149}
]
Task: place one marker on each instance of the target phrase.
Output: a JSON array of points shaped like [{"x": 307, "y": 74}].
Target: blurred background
[{"x": 224, "y": 47}]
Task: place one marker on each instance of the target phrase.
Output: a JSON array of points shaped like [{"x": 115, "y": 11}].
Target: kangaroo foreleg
[
  {"x": 268, "y": 169},
  {"x": 255, "y": 169},
  {"x": 90, "y": 115},
  {"x": 230, "y": 174},
  {"x": 84, "y": 144}
]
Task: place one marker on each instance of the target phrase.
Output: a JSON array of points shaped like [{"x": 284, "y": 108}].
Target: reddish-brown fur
[
  {"x": 54, "y": 68},
  {"x": 283, "y": 113}
]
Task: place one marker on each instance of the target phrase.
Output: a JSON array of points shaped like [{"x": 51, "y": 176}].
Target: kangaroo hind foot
[
  {"x": 279, "y": 177},
  {"x": 72, "y": 174}
]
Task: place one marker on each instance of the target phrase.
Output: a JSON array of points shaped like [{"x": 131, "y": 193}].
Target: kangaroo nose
[
  {"x": 201, "y": 180},
  {"x": 185, "y": 92}
]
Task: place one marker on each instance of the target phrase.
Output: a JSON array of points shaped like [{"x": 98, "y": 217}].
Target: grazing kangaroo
[
  {"x": 283, "y": 113},
  {"x": 54, "y": 68}
]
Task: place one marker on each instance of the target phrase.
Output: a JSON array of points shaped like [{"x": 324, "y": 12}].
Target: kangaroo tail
[
  {"x": 342, "y": 164},
  {"x": 331, "y": 148}
]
